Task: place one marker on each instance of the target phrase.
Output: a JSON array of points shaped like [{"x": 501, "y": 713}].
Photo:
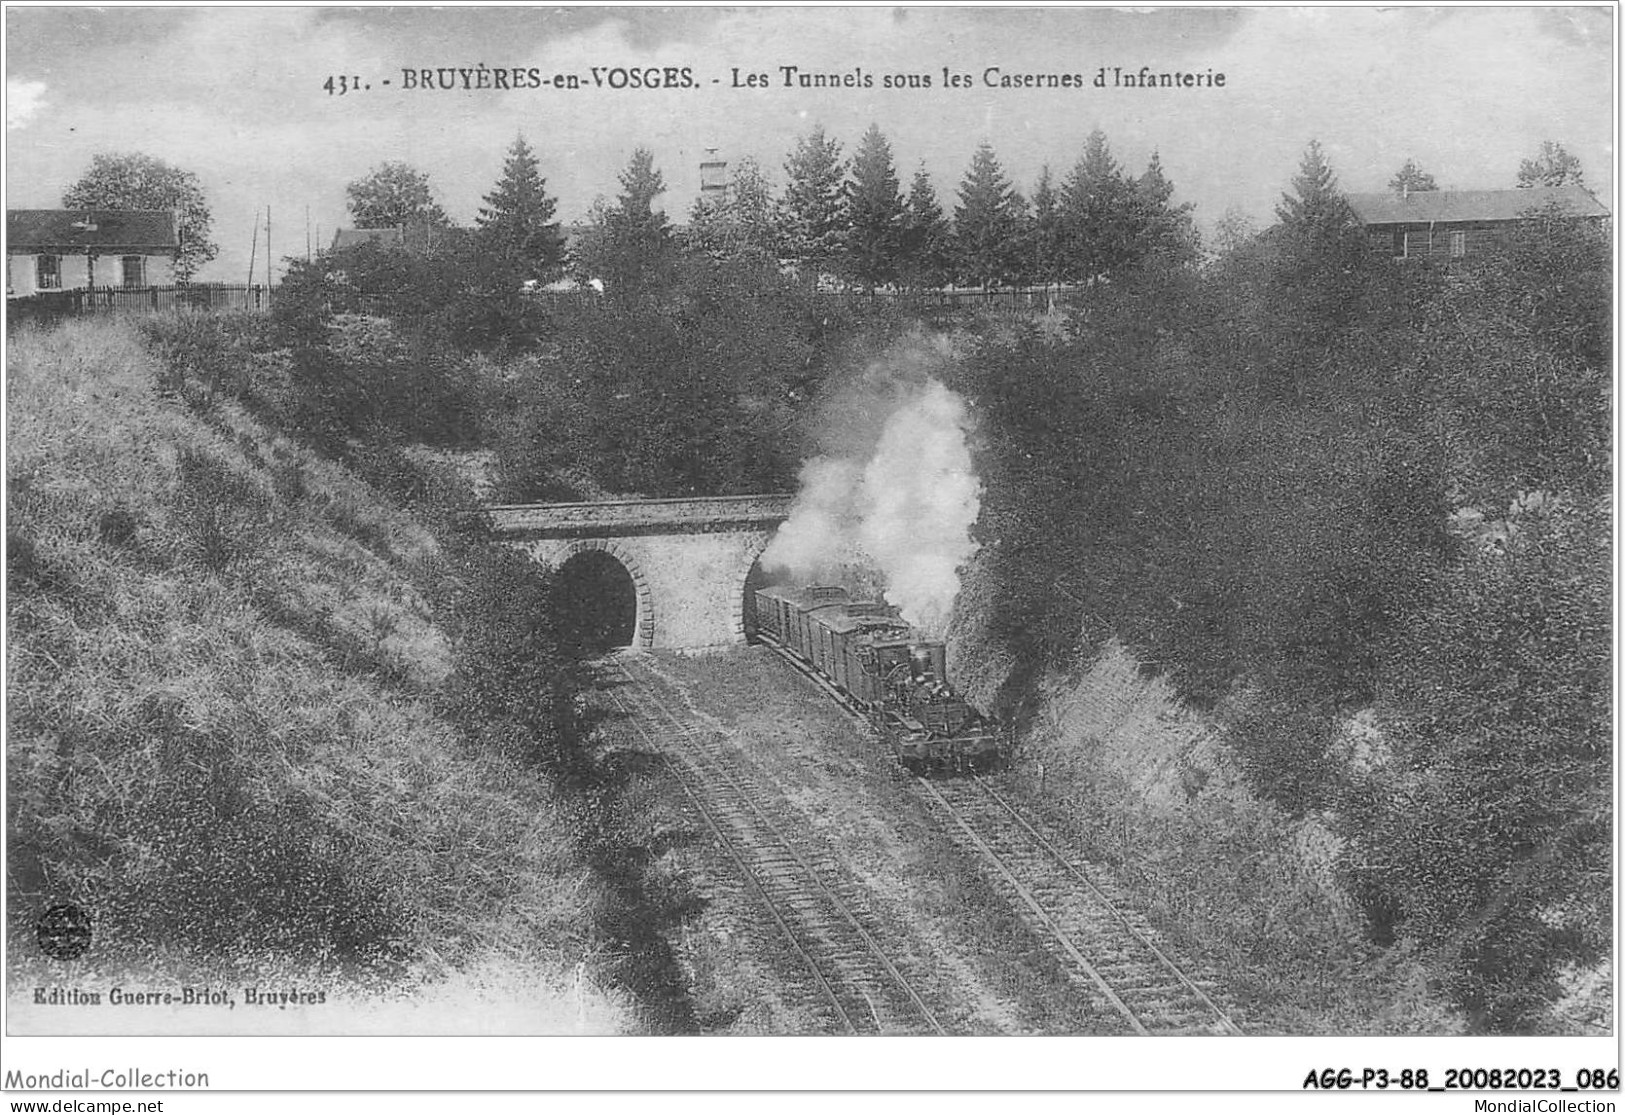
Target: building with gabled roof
[
  {"x": 354, "y": 237},
  {"x": 74, "y": 249},
  {"x": 1453, "y": 224}
]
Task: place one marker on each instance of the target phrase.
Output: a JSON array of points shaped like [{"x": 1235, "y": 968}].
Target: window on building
[
  {"x": 1458, "y": 244},
  {"x": 48, "y": 273},
  {"x": 135, "y": 270}
]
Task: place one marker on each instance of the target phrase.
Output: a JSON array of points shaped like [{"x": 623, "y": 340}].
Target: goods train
[{"x": 884, "y": 668}]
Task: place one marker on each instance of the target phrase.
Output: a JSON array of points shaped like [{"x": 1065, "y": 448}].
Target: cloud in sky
[
  {"x": 24, "y": 99},
  {"x": 236, "y": 95}
]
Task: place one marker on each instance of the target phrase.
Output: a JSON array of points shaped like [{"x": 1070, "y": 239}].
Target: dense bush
[
  {"x": 452, "y": 294},
  {"x": 209, "y": 353},
  {"x": 1484, "y": 831},
  {"x": 1259, "y": 477},
  {"x": 514, "y": 690},
  {"x": 695, "y": 389}
]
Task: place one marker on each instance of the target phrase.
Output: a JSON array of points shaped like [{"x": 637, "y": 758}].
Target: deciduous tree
[
  {"x": 1232, "y": 230},
  {"x": 1412, "y": 179},
  {"x": 741, "y": 222},
  {"x": 1552, "y": 167},
  {"x": 136, "y": 181},
  {"x": 395, "y": 195}
]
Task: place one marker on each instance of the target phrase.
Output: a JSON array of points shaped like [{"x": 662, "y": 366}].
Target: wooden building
[
  {"x": 76, "y": 249},
  {"x": 354, "y": 237},
  {"x": 1459, "y": 224}
]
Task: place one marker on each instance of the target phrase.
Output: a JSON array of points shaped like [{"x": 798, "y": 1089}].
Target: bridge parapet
[
  {"x": 689, "y": 559},
  {"x": 639, "y": 516}
]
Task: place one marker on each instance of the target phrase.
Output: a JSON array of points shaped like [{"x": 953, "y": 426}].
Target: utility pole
[
  {"x": 267, "y": 257},
  {"x": 254, "y": 248}
]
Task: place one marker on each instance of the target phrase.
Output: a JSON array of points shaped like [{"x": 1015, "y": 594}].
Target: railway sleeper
[
  {"x": 1159, "y": 1003},
  {"x": 1162, "y": 986}
]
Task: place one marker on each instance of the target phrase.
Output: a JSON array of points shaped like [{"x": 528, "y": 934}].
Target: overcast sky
[{"x": 235, "y": 95}]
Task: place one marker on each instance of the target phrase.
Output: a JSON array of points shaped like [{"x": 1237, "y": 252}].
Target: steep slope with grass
[{"x": 226, "y": 740}]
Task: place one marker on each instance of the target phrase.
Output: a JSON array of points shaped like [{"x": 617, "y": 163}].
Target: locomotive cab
[
  {"x": 928, "y": 662},
  {"x": 865, "y": 651}
]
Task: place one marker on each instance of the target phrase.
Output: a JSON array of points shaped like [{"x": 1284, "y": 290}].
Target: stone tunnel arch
[
  {"x": 643, "y": 620},
  {"x": 691, "y": 559},
  {"x": 744, "y": 622}
]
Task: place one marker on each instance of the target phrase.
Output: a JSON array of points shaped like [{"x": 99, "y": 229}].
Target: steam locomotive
[{"x": 885, "y": 669}]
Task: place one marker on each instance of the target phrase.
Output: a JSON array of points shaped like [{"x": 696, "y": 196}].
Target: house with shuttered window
[
  {"x": 1445, "y": 225},
  {"x": 74, "y": 249}
]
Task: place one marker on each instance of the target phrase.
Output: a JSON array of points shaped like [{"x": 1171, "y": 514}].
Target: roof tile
[
  {"x": 1426, "y": 206},
  {"x": 78, "y": 229}
]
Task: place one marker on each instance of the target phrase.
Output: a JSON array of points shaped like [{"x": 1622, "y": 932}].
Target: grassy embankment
[
  {"x": 224, "y": 741},
  {"x": 1150, "y": 790}
]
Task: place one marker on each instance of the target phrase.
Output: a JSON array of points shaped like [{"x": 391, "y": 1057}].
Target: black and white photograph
[{"x": 559, "y": 529}]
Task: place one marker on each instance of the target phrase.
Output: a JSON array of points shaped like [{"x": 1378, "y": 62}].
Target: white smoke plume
[{"x": 896, "y": 492}]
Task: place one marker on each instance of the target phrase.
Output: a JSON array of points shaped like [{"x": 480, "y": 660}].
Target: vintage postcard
[{"x": 536, "y": 531}]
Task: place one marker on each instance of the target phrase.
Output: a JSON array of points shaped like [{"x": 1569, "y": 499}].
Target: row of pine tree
[
  {"x": 849, "y": 221},
  {"x": 840, "y": 218}
]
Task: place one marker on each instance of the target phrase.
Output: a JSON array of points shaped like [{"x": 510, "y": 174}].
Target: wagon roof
[
  {"x": 892, "y": 642},
  {"x": 808, "y": 598},
  {"x": 844, "y": 621}
]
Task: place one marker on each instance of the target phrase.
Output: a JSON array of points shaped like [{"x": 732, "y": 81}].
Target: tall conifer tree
[
  {"x": 516, "y": 222},
  {"x": 1315, "y": 204},
  {"x": 630, "y": 246},
  {"x": 1163, "y": 231},
  {"x": 987, "y": 222},
  {"x": 927, "y": 241},
  {"x": 813, "y": 213},
  {"x": 1097, "y": 217},
  {"x": 1044, "y": 237},
  {"x": 874, "y": 209}
]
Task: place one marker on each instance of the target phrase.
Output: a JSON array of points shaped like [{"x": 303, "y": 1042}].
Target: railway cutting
[
  {"x": 847, "y": 968},
  {"x": 1106, "y": 949}
]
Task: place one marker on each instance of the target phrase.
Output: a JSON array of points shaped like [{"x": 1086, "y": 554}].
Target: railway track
[
  {"x": 1104, "y": 948},
  {"x": 843, "y": 964},
  {"x": 1108, "y": 951}
]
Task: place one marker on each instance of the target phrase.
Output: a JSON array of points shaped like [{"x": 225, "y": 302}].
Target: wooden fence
[
  {"x": 53, "y": 305},
  {"x": 1014, "y": 300},
  {"x": 1021, "y": 301}
]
